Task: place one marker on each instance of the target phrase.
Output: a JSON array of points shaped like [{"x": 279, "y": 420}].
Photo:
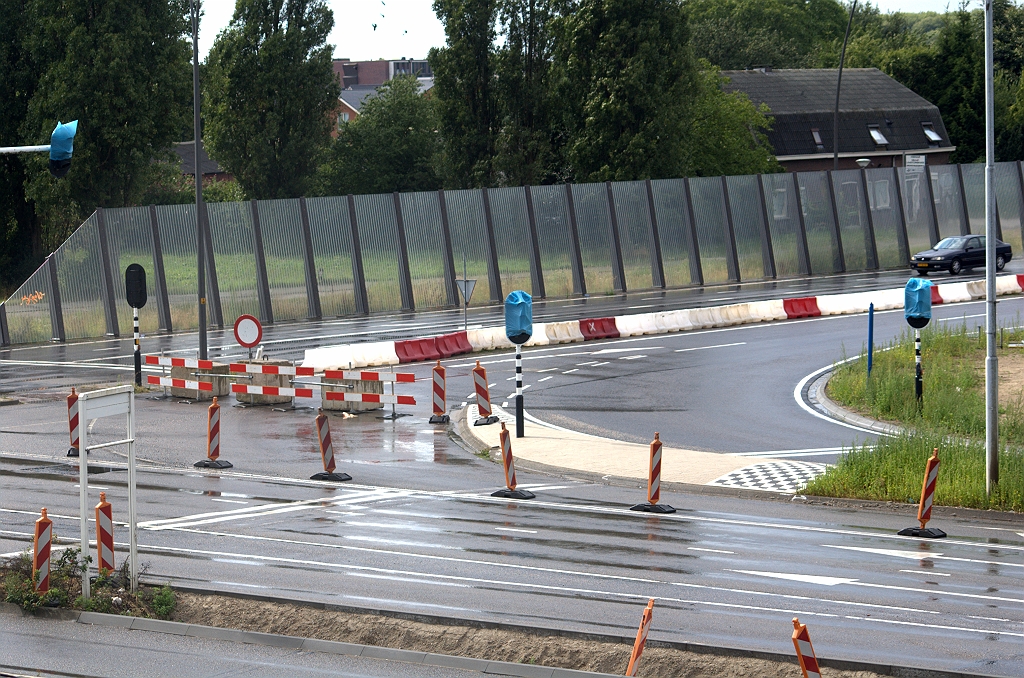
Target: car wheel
[
  {"x": 955, "y": 267},
  {"x": 1000, "y": 262}
]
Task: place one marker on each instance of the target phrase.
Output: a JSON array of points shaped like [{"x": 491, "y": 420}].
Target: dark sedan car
[{"x": 957, "y": 254}]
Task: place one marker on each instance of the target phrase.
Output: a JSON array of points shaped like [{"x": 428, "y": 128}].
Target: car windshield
[{"x": 950, "y": 244}]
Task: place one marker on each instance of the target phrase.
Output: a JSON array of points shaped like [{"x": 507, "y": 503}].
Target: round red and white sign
[{"x": 248, "y": 331}]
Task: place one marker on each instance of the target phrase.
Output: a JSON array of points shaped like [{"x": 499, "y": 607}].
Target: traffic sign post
[
  {"x": 135, "y": 294},
  {"x": 917, "y": 310},
  {"x": 519, "y": 329},
  {"x": 248, "y": 332},
  {"x": 466, "y": 288}
]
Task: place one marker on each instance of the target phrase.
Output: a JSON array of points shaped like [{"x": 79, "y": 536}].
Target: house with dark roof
[
  {"x": 352, "y": 98},
  {"x": 880, "y": 120},
  {"x": 186, "y": 152}
]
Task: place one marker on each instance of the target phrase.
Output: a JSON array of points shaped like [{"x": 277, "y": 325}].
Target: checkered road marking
[
  {"x": 788, "y": 477},
  {"x": 472, "y": 414}
]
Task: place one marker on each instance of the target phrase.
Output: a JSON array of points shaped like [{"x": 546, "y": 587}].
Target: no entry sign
[{"x": 248, "y": 331}]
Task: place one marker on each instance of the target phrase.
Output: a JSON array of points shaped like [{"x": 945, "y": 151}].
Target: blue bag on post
[
  {"x": 518, "y": 317},
  {"x": 917, "y": 302}
]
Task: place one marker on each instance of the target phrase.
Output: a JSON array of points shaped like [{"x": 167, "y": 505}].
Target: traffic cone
[
  {"x": 924, "y": 509},
  {"x": 654, "y": 483}
]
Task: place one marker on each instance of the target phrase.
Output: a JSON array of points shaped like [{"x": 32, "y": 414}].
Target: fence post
[
  {"x": 657, "y": 263},
  {"x": 902, "y": 235},
  {"x": 313, "y": 309},
  {"x": 767, "y": 248},
  {"x": 1020, "y": 185},
  {"x": 262, "y": 280},
  {"x": 838, "y": 261},
  {"x": 579, "y": 279},
  {"x": 404, "y": 275},
  {"x": 965, "y": 218},
  {"x": 358, "y": 277},
  {"x": 536, "y": 272},
  {"x": 213, "y": 289},
  {"x": 872, "y": 244},
  {"x": 732, "y": 258},
  {"x": 5, "y": 332},
  {"x": 56, "y": 312},
  {"x": 931, "y": 206},
  {"x": 618, "y": 270},
  {"x": 693, "y": 247},
  {"x": 801, "y": 243},
  {"x": 109, "y": 301},
  {"x": 493, "y": 273},
  {"x": 451, "y": 290},
  {"x": 163, "y": 305}
]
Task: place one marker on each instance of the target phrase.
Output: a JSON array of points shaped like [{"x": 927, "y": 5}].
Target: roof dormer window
[
  {"x": 877, "y": 135},
  {"x": 817, "y": 140},
  {"x": 929, "y": 131}
]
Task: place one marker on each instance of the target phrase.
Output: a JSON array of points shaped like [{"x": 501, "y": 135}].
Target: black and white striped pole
[
  {"x": 135, "y": 295},
  {"x": 519, "y": 329},
  {"x": 138, "y": 352},
  {"x": 519, "y": 391}
]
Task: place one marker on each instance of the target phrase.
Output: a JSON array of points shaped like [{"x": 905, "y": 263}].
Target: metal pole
[
  {"x": 519, "y": 391},
  {"x": 839, "y": 82},
  {"x": 138, "y": 353},
  {"x": 871, "y": 336},
  {"x": 465, "y": 301},
  {"x": 133, "y": 538},
  {"x": 918, "y": 376},
  {"x": 991, "y": 361},
  {"x": 83, "y": 493},
  {"x": 197, "y": 147}
]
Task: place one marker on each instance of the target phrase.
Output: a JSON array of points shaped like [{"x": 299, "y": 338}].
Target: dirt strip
[{"x": 467, "y": 641}]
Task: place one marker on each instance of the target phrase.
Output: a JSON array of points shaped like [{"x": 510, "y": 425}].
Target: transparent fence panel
[
  {"x": 130, "y": 241},
  {"x": 783, "y": 222},
  {"x": 468, "y": 226},
  {"x": 235, "y": 258},
  {"x": 594, "y": 224},
  {"x": 378, "y": 240},
  {"x": 819, "y": 222},
  {"x": 974, "y": 194},
  {"x": 424, "y": 235},
  {"x": 851, "y": 207},
  {"x": 281, "y": 225},
  {"x": 946, "y": 191},
  {"x": 28, "y": 309},
  {"x": 551, "y": 211},
  {"x": 709, "y": 214},
  {"x": 747, "y": 222},
  {"x": 1008, "y": 199},
  {"x": 80, "y": 276},
  {"x": 512, "y": 237},
  {"x": 885, "y": 215},
  {"x": 177, "y": 226},
  {"x": 634, "y": 232},
  {"x": 331, "y": 233},
  {"x": 673, "y": 226},
  {"x": 916, "y": 209}
]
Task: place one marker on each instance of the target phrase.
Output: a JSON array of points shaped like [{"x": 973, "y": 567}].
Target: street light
[{"x": 197, "y": 147}]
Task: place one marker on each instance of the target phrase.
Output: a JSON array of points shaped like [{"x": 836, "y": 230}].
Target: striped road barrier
[
  {"x": 510, "y": 491},
  {"x": 439, "y": 378},
  {"x": 323, "y": 434},
  {"x": 641, "y": 638},
  {"x": 924, "y": 509},
  {"x": 356, "y": 375},
  {"x": 179, "y": 362},
  {"x": 252, "y": 368},
  {"x": 654, "y": 483},
  {"x": 105, "y": 536},
  {"x": 41, "y": 553},
  {"x": 213, "y": 459},
  {"x": 804, "y": 650},
  {"x": 483, "y": 396},
  {"x": 73, "y": 423},
  {"x": 385, "y": 398},
  {"x": 249, "y": 389},
  {"x": 153, "y": 380}
]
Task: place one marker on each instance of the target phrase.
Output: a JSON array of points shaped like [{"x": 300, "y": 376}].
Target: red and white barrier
[
  {"x": 323, "y": 434},
  {"x": 804, "y": 650},
  {"x": 383, "y": 398},
  {"x": 213, "y": 459},
  {"x": 641, "y": 638},
  {"x": 248, "y": 389},
  {"x": 924, "y": 509},
  {"x": 355, "y": 375},
  {"x": 654, "y": 483},
  {"x": 250, "y": 368},
  {"x": 439, "y": 392},
  {"x": 510, "y": 491},
  {"x": 153, "y": 380},
  {"x": 104, "y": 536},
  {"x": 73, "y": 423},
  {"x": 41, "y": 553},
  {"x": 179, "y": 362},
  {"x": 483, "y": 396}
]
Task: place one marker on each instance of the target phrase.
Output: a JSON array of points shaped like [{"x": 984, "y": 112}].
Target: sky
[{"x": 392, "y": 29}]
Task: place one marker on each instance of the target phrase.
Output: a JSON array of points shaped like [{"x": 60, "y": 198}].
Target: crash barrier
[
  {"x": 801, "y": 307},
  {"x": 439, "y": 391},
  {"x": 641, "y": 638},
  {"x": 179, "y": 362},
  {"x": 924, "y": 508},
  {"x": 41, "y": 543},
  {"x": 483, "y": 396},
  {"x": 416, "y": 350},
  {"x": 804, "y": 650},
  {"x": 456, "y": 343},
  {"x": 598, "y": 328},
  {"x": 323, "y": 434},
  {"x": 213, "y": 459},
  {"x": 104, "y": 536},
  {"x": 73, "y": 422},
  {"x": 510, "y": 491},
  {"x": 654, "y": 483}
]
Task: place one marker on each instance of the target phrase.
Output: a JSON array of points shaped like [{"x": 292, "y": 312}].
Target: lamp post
[
  {"x": 198, "y": 147},
  {"x": 991, "y": 362},
  {"x": 839, "y": 82}
]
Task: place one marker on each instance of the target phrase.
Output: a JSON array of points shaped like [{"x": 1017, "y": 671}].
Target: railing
[{"x": 351, "y": 255}]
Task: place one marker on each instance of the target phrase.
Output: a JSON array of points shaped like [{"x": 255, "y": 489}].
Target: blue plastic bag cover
[
  {"x": 518, "y": 317},
  {"x": 917, "y": 301},
  {"x": 62, "y": 140}
]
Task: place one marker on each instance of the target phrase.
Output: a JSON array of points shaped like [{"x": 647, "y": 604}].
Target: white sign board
[{"x": 915, "y": 164}]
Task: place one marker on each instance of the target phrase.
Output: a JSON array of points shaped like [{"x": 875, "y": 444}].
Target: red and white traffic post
[
  {"x": 654, "y": 483},
  {"x": 73, "y": 422},
  {"x": 924, "y": 509},
  {"x": 213, "y": 459},
  {"x": 105, "y": 536},
  {"x": 323, "y": 434},
  {"x": 641, "y": 638},
  {"x": 439, "y": 395},
  {"x": 510, "y": 491},
  {"x": 804, "y": 650},
  {"x": 41, "y": 553},
  {"x": 483, "y": 397}
]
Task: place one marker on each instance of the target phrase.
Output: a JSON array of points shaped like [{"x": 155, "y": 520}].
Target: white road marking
[
  {"x": 798, "y": 394},
  {"x": 694, "y": 548},
  {"x": 230, "y": 501},
  {"x": 930, "y": 574},
  {"x": 917, "y": 555},
  {"x": 539, "y": 381},
  {"x": 599, "y": 364},
  {"x": 571, "y": 371},
  {"x": 809, "y": 452},
  {"x": 582, "y": 364},
  {"x": 512, "y": 529},
  {"x": 412, "y": 580},
  {"x": 549, "y": 369},
  {"x": 632, "y": 357},
  {"x": 505, "y": 402},
  {"x": 805, "y": 578},
  {"x": 701, "y": 348},
  {"x": 626, "y": 350}
]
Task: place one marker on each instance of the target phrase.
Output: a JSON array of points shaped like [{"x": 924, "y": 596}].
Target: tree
[
  {"x": 390, "y": 146},
  {"x": 270, "y": 95},
  {"x": 121, "y": 68},
  {"x": 625, "y": 76}
]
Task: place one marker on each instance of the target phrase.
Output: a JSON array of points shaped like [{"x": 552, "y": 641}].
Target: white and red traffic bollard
[
  {"x": 104, "y": 536},
  {"x": 323, "y": 434},
  {"x": 641, "y": 638},
  {"x": 510, "y": 491},
  {"x": 41, "y": 553},
  {"x": 654, "y": 483},
  {"x": 924, "y": 509},
  {"x": 483, "y": 396},
  {"x": 439, "y": 395},
  {"x": 213, "y": 459},
  {"x": 73, "y": 423},
  {"x": 804, "y": 650}
]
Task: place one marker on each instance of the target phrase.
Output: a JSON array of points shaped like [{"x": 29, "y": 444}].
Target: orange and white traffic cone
[
  {"x": 41, "y": 553},
  {"x": 483, "y": 396},
  {"x": 104, "y": 535},
  {"x": 73, "y": 422},
  {"x": 654, "y": 483},
  {"x": 804, "y": 650},
  {"x": 510, "y": 491},
  {"x": 323, "y": 434},
  {"x": 440, "y": 390},
  {"x": 641, "y": 638},
  {"x": 924, "y": 509},
  {"x": 213, "y": 459}
]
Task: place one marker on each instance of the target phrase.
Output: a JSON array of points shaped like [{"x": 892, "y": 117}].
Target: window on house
[
  {"x": 877, "y": 135},
  {"x": 817, "y": 140},
  {"x": 929, "y": 131},
  {"x": 342, "y": 119}
]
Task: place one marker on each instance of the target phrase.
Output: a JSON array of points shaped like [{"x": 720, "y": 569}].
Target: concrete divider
[
  {"x": 666, "y": 322},
  {"x": 886, "y": 300},
  {"x": 682, "y": 319},
  {"x": 737, "y": 314},
  {"x": 766, "y": 311},
  {"x": 539, "y": 337},
  {"x": 1009, "y": 284},
  {"x": 488, "y": 339},
  {"x": 563, "y": 332},
  {"x": 977, "y": 289},
  {"x": 841, "y": 304},
  {"x": 954, "y": 292},
  {"x": 329, "y": 357},
  {"x": 701, "y": 318},
  {"x": 632, "y": 325},
  {"x": 374, "y": 354}
]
